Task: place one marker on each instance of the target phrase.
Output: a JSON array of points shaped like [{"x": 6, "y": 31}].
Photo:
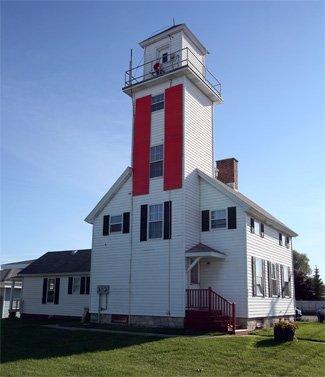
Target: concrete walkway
[{"x": 135, "y": 333}]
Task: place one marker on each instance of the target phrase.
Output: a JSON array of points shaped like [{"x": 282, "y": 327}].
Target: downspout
[
  {"x": 169, "y": 263},
  {"x": 131, "y": 215}
]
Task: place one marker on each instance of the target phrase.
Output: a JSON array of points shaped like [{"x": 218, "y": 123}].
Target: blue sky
[{"x": 66, "y": 125}]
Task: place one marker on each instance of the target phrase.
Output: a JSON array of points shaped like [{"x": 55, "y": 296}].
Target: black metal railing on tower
[{"x": 168, "y": 63}]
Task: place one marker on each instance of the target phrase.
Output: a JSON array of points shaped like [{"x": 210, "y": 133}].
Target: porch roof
[{"x": 201, "y": 250}]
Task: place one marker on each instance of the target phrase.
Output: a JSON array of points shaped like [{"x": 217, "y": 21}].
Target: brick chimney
[{"x": 227, "y": 172}]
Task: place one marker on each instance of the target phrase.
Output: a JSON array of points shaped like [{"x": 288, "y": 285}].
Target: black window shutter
[
  {"x": 278, "y": 293},
  {"x": 70, "y": 282},
  {"x": 232, "y": 218},
  {"x": 262, "y": 230},
  {"x": 82, "y": 285},
  {"x": 289, "y": 273},
  {"x": 252, "y": 225},
  {"x": 263, "y": 278},
  {"x": 126, "y": 222},
  {"x": 105, "y": 225},
  {"x": 253, "y": 276},
  {"x": 205, "y": 220},
  {"x": 44, "y": 291},
  {"x": 57, "y": 291},
  {"x": 167, "y": 220},
  {"x": 87, "y": 285},
  {"x": 143, "y": 222}
]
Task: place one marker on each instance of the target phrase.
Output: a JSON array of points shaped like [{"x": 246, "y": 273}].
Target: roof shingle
[{"x": 55, "y": 262}]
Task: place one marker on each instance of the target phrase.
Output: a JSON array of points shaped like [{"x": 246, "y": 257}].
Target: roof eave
[
  {"x": 109, "y": 195},
  {"x": 277, "y": 225},
  {"x": 163, "y": 34},
  {"x": 39, "y": 274},
  {"x": 205, "y": 254}
]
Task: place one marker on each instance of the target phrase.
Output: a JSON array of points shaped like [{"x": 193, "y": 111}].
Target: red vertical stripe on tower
[
  {"x": 173, "y": 147},
  {"x": 141, "y": 145}
]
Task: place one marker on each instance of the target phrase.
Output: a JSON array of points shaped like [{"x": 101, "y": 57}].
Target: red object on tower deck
[
  {"x": 173, "y": 147},
  {"x": 141, "y": 146}
]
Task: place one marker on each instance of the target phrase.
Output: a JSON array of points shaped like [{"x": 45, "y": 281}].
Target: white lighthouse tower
[{"x": 172, "y": 137}]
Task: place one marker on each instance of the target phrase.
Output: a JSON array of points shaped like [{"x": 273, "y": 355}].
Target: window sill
[
  {"x": 156, "y": 239},
  {"x": 222, "y": 228}
]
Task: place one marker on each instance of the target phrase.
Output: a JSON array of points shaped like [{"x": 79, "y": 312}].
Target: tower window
[
  {"x": 164, "y": 57},
  {"x": 155, "y": 220},
  {"x": 157, "y": 102},
  {"x": 156, "y": 161}
]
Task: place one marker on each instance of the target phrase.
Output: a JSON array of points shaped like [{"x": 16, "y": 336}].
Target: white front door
[{"x": 194, "y": 276}]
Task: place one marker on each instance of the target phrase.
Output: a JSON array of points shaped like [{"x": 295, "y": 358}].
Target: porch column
[{"x": 196, "y": 260}]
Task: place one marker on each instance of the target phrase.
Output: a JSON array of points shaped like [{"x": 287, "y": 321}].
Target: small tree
[
  {"x": 303, "y": 282},
  {"x": 318, "y": 285},
  {"x": 301, "y": 263}
]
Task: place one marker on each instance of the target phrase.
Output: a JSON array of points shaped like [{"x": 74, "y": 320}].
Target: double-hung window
[
  {"x": 274, "y": 280},
  {"x": 257, "y": 228},
  {"x": 262, "y": 230},
  {"x": 50, "y": 290},
  {"x": 156, "y": 161},
  {"x": 155, "y": 221},
  {"x": 116, "y": 224},
  {"x": 280, "y": 239},
  {"x": 218, "y": 218},
  {"x": 157, "y": 102},
  {"x": 286, "y": 281},
  {"x": 259, "y": 277},
  {"x": 76, "y": 285}
]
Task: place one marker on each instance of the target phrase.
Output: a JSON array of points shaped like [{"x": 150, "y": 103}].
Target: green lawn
[
  {"x": 31, "y": 350},
  {"x": 306, "y": 330}
]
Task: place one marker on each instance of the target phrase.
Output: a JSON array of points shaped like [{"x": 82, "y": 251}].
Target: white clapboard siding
[
  {"x": 158, "y": 271},
  {"x": 69, "y": 305},
  {"x": 268, "y": 248},
  {"x": 111, "y": 256},
  {"x": 226, "y": 276},
  {"x": 154, "y": 283},
  {"x": 198, "y": 153},
  {"x": 193, "y": 55}
]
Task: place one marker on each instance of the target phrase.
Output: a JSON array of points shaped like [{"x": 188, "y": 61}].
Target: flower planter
[{"x": 284, "y": 331}]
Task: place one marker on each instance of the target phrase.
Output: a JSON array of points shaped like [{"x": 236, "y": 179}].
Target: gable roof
[
  {"x": 8, "y": 273},
  {"x": 171, "y": 30},
  {"x": 205, "y": 251},
  {"x": 109, "y": 195},
  {"x": 55, "y": 262},
  {"x": 247, "y": 204}
]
